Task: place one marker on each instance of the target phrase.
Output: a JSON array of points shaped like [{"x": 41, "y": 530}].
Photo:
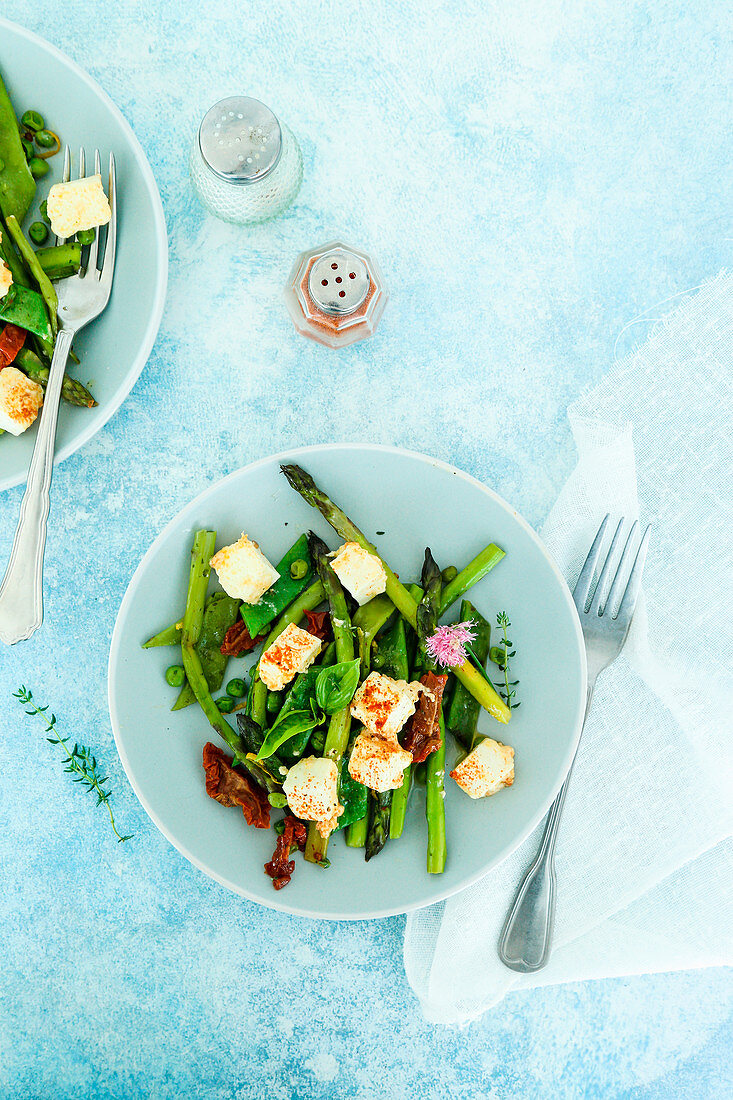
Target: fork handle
[
  {"x": 21, "y": 592},
  {"x": 526, "y": 939}
]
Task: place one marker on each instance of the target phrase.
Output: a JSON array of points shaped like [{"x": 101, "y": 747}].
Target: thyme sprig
[
  {"x": 501, "y": 654},
  {"x": 80, "y": 761}
]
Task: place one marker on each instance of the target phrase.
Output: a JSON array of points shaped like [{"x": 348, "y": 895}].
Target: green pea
[
  {"x": 298, "y": 569},
  {"x": 38, "y": 232},
  {"x": 45, "y": 139},
  {"x": 38, "y": 167},
  {"x": 32, "y": 120},
  {"x": 274, "y": 702},
  {"x": 27, "y": 148},
  {"x": 236, "y": 688},
  {"x": 225, "y": 704},
  {"x": 277, "y": 801},
  {"x": 43, "y": 211},
  {"x": 175, "y": 674},
  {"x": 86, "y": 236}
]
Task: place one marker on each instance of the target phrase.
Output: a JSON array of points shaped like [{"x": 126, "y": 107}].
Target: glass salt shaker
[
  {"x": 245, "y": 165},
  {"x": 336, "y": 294}
]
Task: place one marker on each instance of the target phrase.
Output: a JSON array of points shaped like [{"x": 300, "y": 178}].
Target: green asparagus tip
[{"x": 302, "y": 482}]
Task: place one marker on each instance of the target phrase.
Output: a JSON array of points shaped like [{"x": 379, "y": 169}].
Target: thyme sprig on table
[
  {"x": 80, "y": 761},
  {"x": 501, "y": 654}
]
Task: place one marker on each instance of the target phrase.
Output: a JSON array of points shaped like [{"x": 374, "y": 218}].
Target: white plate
[{"x": 417, "y": 502}]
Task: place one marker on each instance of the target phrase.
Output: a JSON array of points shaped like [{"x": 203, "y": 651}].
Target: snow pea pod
[
  {"x": 287, "y": 588},
  {"x": 30, "y": 259},
  {"x": 25, "y": 308},
  {"x": 17, "y": 186}
]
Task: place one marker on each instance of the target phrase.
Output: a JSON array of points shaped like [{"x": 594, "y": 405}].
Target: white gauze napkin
[{"x": 644, "y": 857}]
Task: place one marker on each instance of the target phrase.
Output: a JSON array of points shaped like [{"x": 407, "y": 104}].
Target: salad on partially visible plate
[
  {"x": 30, "y": 264},
  {"x": 356, "y": 692}
]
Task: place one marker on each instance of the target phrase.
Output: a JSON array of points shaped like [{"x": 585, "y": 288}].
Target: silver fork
[
  {"x": 526, "y": 939},
  {"x": 81, "y": 297}
]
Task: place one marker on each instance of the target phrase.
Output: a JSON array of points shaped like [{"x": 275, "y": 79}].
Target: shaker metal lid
[
  {"x": 338, "y": 281},
  {"x": 240, "y": 139}
]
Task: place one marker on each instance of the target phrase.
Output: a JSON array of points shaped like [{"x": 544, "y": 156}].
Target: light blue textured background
[{"x": 530, "y": 176}]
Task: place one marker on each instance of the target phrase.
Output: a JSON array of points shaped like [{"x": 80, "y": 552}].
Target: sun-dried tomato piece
[
  {"x": 319, "y": 625},
  {"x": 238, "y": 640},
  {"x": 422, "y": 733},
  {"x": 280, "y": 868},
  {"x": 12, "y": 339},
  {"x": 231, "y": 787}
]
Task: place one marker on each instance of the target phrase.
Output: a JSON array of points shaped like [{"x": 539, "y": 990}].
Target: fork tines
[{"x": 617, "y": 588}]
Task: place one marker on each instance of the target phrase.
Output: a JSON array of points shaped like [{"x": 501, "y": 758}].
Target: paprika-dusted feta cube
[
  {"x": 383, "y": 705},
  {"x": 20, "y": 400},
  {"x": 361, "y": 573},
  {"x": 6, "y": 279},
  {"x": 292, "y": 652},
  {"x": 311, "y": 788},
  {"x": 77, "y": 205},
  {"x": 378, "y": 762},
  {"x": 486, "y": 769},
  {"x": 243, "y": 570}
]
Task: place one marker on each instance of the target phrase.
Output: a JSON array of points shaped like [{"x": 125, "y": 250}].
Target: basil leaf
[
  {"x": 336, "y": 685},
  {"x": 297, "y": 721}
]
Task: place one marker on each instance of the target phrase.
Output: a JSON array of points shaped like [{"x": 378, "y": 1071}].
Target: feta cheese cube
[
  {"x": 20, "y": 400},
  {"x": 383, "y": 705},
  {"x": 243, "y": 570},
  {"x": 361, "y": 573},
  {"x": 486, "y": 769},
  {"x": 311, "y": 788},
  {"x": 293, "y": 651},
  {"x": 6, "y": 279},
  {"x": 378, "y": 762},
  {"x": 76, "y": 205}
]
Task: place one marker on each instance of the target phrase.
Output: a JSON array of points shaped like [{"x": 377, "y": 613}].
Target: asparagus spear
[
  {"x": 471, "y": 574},
  {"x": 304, "y": 484},
  {"x": 463, "y": 711},
  {"x": 60, "y": 260},
  {"x": 337, "y": 737},
  {"x": 72, "y": 391},
  {"x": 392, "y": 655},
  {"x": 401, "y": 796},
  {"x": 428, "y": 613},
  {"x": 204, "y": 544}
]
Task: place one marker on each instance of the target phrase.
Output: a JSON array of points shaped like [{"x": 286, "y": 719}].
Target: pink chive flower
[{"x": 447, "y": 646}]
